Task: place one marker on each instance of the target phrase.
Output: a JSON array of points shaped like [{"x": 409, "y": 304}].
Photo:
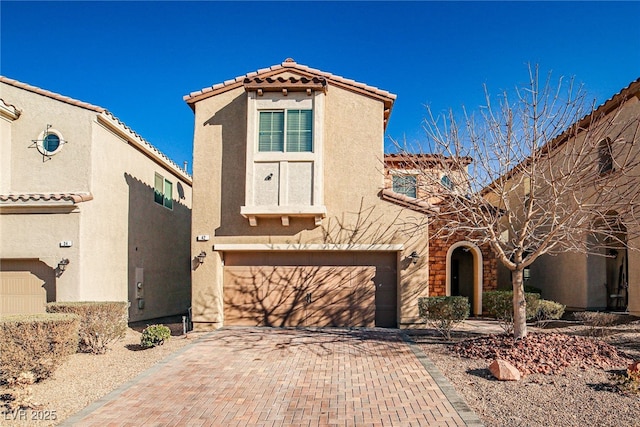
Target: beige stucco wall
[
  {"x": 120, "y": 230},
  {"x": 353, "y": 177},
  {"x": 578, "y": 280}
]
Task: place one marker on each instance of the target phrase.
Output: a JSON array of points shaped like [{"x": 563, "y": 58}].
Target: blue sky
[{"x": 138, "y": 59}]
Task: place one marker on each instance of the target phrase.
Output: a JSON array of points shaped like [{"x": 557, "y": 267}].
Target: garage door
[
  {"x": 22, "y": 286},
  {"x": 310, "y": 289}
]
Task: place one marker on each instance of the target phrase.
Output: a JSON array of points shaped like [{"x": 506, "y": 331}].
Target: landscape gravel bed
[{"x": 85, "y": 378}]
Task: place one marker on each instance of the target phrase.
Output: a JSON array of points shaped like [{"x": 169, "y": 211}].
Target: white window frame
[
  {"x": 165, "y": 181},
  {"x": 272, "y": 101},
  {"x": 43, "y": 135}
]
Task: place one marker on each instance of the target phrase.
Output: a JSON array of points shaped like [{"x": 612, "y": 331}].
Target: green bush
[
  {"x": 154, "y": 335},
  {"x": 499, "y": 304},
  {"x": 36, "y": 343},
  {"x": 532, "y": 289},
  {"x": 443, "y": 313},
  {"x": 101, "y": 323},
  {"x": 548, "y": 310}
]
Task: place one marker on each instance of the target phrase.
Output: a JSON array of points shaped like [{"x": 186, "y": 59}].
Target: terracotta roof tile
[
  {"x": 52, "y": 95},
  {"x": 300, "y": 67},
  {"x": 387, "y": 97},
  {"x": 408, "y": 202},
  {"x": 46, "y": 197}
]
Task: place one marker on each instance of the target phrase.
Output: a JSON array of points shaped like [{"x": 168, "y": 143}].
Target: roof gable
[{"x": 293, "y": 74}]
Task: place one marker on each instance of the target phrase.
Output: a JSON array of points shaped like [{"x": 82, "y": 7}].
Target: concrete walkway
[{"x": 274, "y": 377}]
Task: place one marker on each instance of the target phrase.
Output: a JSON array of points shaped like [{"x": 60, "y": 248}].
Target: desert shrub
[
  {"x": 596, "y": 321},
  {"x": 499, "y": 304},
  {"x": 443, "y": 313},
  {"x": 154, "y": 335},
  {"x": 548, "y": 310},
  {"x": 629, "y": 384},
  {"x": 101, "y": 323},
  {"x": 36, "y": 344}
]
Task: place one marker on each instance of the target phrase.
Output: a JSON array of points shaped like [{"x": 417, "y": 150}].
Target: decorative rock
[
  {"x": 634, "y": 366},
  {"x": 504, "y": 371}
]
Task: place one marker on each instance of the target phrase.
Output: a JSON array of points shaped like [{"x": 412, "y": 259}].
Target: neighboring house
[
  {"x": 289, "y": 224},
  {"x": 456, "y": 266},
  {"x": 89, "y": 211},
  {"x": 595, "y": 282}
]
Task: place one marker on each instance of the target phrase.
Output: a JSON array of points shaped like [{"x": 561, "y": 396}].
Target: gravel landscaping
[
  {"x": 579, "y": 392},
  {"x": 584, "y": 393}
]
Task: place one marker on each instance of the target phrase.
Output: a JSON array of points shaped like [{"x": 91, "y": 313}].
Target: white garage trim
[{"x": 305, "y": 247}]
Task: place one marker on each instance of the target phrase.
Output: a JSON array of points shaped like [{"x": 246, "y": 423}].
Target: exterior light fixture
[
  {"x": 62, "y": 265},
  {"x": 414, "y": 257},
  {"x": 201, "y": 256}
]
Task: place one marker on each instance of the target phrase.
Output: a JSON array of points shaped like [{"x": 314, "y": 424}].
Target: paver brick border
[{"x": 468, "y": 416}]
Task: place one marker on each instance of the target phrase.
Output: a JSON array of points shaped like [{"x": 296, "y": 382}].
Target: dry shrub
[
  {"x": 597, "y": 322},
  {"x": 37, "y": 343},
  {"x": 20, "y": 395},
  {"x": 101, "y": 323}
]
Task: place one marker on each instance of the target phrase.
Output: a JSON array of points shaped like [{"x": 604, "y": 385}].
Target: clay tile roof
[
  {"x": 75, "y": 198},
  {"x": 420, "y": 159},
  {"x": 408, "y": 202},
  {"x": 51, "y": 95},
  {"x": 279, "y": 83},
  {"x": 289, "y": 64}
]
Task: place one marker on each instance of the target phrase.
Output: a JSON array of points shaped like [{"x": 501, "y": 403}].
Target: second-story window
[
  {"x": 163, "y": 191},
  {"x": 405, "y": 184},
  {"x": 285, "y": 131},
  {"x": 605, "y": 154}
]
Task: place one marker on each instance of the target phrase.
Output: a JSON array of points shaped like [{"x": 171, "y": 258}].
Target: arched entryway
[{"x": 464, "y": 274}]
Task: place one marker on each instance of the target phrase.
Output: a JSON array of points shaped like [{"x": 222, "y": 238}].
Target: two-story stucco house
[
  {"x": 89, "y": 210},
  {"x": 290, "y": 226}
]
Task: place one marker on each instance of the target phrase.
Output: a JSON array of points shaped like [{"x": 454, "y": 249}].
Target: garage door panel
[
  {"x": 21, "y": 292},
  {"x": 310, "y": 289}
]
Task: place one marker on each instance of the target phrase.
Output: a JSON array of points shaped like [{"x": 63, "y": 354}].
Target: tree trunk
[{"x": 519, "y": 305}]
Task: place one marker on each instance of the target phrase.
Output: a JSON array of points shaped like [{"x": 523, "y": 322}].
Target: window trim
[
  {"x": 605, "y": 157},
  {"x": 167, "y": 202},
  {"x": 315, "y": 101},
  {"x": 405, "y": 175},
  {"x": 41, "y": 139}
]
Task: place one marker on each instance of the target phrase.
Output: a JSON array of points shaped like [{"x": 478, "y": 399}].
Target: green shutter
[
  {"x": 168, "y": 194},
  {"x": 158, "y": 189},
  {"x": 271, "y": 131},
  {"x": 299, "y": 131}
]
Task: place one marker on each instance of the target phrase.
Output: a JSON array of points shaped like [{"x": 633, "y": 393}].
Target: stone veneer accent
[{"x": 438, "y": 265}]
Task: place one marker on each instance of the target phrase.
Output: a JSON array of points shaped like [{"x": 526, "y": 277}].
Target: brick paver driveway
[{"x": 273, "y": 377}]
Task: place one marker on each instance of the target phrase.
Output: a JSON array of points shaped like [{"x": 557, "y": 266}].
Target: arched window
[{"x": 605, "y": 156}]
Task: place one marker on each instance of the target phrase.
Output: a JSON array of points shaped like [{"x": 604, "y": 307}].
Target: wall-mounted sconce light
[
  {"x": 201, "y": 256},
  {"x": 62, "y": 265},
  {"x": 414, "y": 257}
]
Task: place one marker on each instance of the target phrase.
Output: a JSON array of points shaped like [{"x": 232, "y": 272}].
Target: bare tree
[{"x": 549, "y": 174}]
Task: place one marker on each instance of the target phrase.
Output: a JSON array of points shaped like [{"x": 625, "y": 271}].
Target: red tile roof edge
[
  {"x": 291, "y": 64},
  {"x": 47, "y": 197},
  {"x": 408, "y": 202},
  {"x": 51, "y": 95}
]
